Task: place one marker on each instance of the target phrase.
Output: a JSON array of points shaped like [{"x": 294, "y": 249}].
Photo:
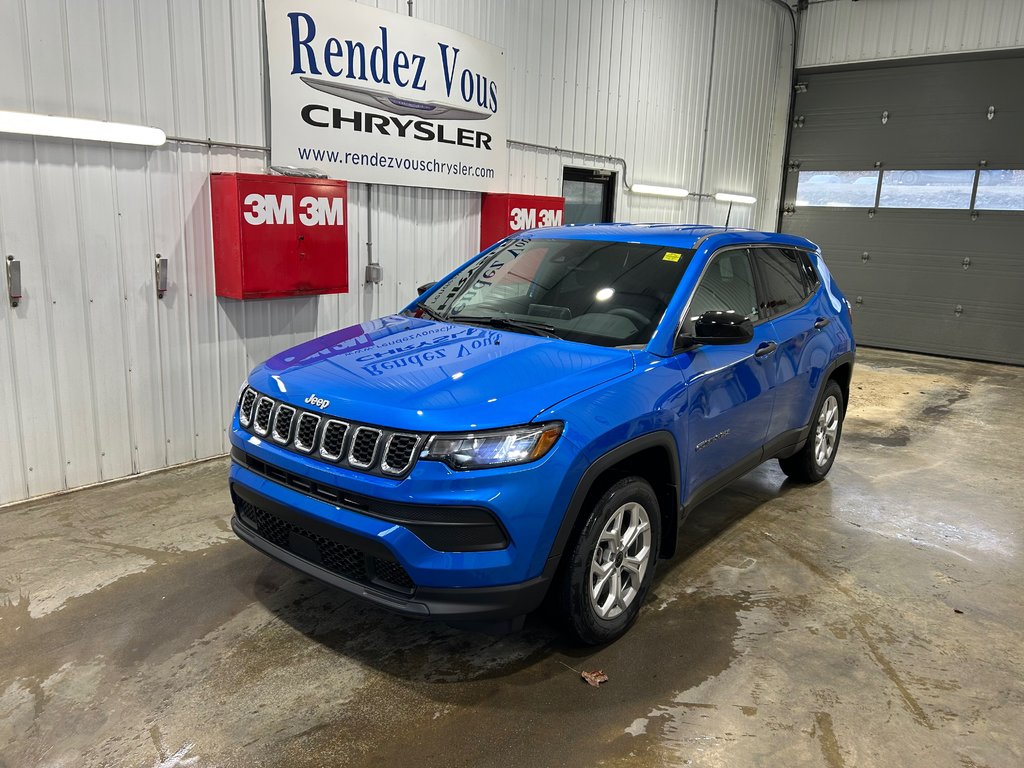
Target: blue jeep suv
[{"x": 538, "y": 423}]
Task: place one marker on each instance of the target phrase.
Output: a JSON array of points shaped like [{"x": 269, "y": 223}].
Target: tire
[
  {"x": 812, "y": 462},
  {"x": 598, "y": 616}
]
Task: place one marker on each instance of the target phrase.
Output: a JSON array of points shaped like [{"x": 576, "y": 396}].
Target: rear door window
[{"x": 785, "y": 278}]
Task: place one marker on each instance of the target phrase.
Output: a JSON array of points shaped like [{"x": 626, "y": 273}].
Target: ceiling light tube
[
  {"x": 650, "y": 189},
  {"x": 30, "y": 124},
  {"x": 729, "y": 197}
]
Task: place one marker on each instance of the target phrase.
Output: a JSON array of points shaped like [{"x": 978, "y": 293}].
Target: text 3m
[{"x": 279, "y": 209}]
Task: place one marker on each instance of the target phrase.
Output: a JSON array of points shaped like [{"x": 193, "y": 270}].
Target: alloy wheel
[
  {"x": 826, "y": 431},
  {"x": 620, "y": 560}
]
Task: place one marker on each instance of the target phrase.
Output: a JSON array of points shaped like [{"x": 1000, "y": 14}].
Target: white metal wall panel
[
  {"x": 741, "y": 148},
  {"x": 840, "y": 32},
  {"x": 106, "y": 380}
]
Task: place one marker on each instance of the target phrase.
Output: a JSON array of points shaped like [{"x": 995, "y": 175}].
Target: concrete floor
[{"x": 875, "y": 619}]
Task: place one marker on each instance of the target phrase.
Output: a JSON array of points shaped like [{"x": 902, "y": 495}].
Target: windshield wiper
[
  {"x": 433, "y": 315},
  {"x": 539, "y": 329}
]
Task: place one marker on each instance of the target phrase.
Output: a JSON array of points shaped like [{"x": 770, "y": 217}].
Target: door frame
[{"x": 607, "y": 179}]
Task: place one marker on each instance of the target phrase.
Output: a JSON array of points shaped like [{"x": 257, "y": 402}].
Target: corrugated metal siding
[
  {"x": 103, "y": 380},
  {"x": 744, "y": 144},
  {"x": 839, "y": 32}
]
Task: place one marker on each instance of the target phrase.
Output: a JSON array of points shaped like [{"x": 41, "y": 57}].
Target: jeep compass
[{"x": 539, "y": 423}]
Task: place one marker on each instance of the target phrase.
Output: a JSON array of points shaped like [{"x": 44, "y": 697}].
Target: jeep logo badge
[{"x": 319, "y": 402}]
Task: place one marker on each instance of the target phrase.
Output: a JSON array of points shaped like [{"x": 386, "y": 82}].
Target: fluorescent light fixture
[
  {"x": 650, "y": 189},
  {"x": 729, "y": 197},
  {"x": 78, "y": 128}
]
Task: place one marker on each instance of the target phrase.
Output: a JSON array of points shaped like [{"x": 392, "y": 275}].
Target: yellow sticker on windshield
[{"x": 672, "y": 256}]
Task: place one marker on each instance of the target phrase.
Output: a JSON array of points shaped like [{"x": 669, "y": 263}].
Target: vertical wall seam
[
  {"x": 83, "y": 257},
  {"x": 122, "y": 278},
  {"x": 185, "y": 255},
  {"x": 193, "y": 303},
  {"x": 707, "y": 111},
  {"x": 48, "y": 301},
  {"x": 152, "y": 303}
]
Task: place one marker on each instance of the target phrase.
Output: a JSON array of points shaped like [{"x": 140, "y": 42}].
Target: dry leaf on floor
[{"x": 595, "y": 678}]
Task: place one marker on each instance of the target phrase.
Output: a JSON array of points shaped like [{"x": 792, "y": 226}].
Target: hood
[{"x": 428, "y": 376}]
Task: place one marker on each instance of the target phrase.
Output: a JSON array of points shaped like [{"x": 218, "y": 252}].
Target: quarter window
[
  {"x": 785, "y": 277},
  {"x": 727, "y": 285}
]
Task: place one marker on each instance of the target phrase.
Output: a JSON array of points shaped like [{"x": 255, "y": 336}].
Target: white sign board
[{"x": 367, "y": 95}]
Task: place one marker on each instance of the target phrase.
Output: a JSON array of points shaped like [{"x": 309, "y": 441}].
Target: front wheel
[
  {"x": 812, "y": 462},
  {"x": 611, "y": 564}
]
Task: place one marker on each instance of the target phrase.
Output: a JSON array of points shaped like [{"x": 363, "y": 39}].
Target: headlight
[{"x": 496, "y": 448}]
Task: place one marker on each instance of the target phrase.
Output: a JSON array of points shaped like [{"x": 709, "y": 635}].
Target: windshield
[{"x": 606, "y": 293}]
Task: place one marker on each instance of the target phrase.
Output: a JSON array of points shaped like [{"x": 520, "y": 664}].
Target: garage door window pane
[
  {"x": 837, "y": 189},
  {"x": 927, "y": 189},
  {"x": 1000, "y": 191}
]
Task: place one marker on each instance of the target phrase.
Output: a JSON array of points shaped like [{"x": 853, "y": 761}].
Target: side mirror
[
  {"x": 425, "y": 287},
  {"x": 719, "y": 327}
]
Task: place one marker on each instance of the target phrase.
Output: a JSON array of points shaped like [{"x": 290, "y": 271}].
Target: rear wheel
[
  {"x": 812, "y": 462},
  {"x": 611, "y": 564}
]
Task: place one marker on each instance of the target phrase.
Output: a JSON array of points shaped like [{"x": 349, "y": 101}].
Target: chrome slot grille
[
  {"x": 332, "y": 444},
  {"x": 282, "y": 431},
  {"x": 398, "y": 453},
  {"x": 364, "y": 447},
  {"x": 261, "y": 421},
  {"x": 361, "y": 447},
  {"x": 305, "y": 433},
  {"x": 245, "y": 407}
]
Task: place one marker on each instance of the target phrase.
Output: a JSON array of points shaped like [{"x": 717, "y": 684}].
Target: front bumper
[
  {"x": 526, "y": 503},
  {"x": 367, "y": 569}
]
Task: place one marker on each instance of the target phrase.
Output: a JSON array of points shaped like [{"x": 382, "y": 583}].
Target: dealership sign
[{"x": 367, "y": 95}]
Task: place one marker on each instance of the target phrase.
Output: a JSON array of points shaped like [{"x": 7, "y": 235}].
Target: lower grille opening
[
  {"x": 446, "y": 529},
  {"x": 344, "y": 560},
  {"x": 392, "y": 572}
]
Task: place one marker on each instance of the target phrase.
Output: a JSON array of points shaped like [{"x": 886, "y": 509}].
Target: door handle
[
  {"x": 765, "y": 349},
  {"x": 820, "y": 323}
]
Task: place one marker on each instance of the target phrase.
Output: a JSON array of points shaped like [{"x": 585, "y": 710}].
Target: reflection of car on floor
[{"x": 539, "y": 423}]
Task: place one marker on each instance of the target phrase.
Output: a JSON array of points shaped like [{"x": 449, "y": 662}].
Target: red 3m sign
[
  {"x": 279, "y": 235},
  {"x": 503, "y": 215}
]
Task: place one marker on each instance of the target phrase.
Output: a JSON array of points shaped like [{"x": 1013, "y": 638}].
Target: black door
[{"x": 589, "y": 195}]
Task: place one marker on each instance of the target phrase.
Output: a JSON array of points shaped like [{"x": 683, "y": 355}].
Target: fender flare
[
  {"x": 658, "y": 439},
  {"x": 846, "y": 357}
]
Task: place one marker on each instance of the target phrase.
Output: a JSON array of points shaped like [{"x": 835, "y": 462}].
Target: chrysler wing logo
[
  {"x": 372, "y": 97},
  {"x": 318, "y": 402}
]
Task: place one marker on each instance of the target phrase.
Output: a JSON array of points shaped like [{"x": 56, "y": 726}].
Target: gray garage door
[{"x": 911, "y": 179}]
